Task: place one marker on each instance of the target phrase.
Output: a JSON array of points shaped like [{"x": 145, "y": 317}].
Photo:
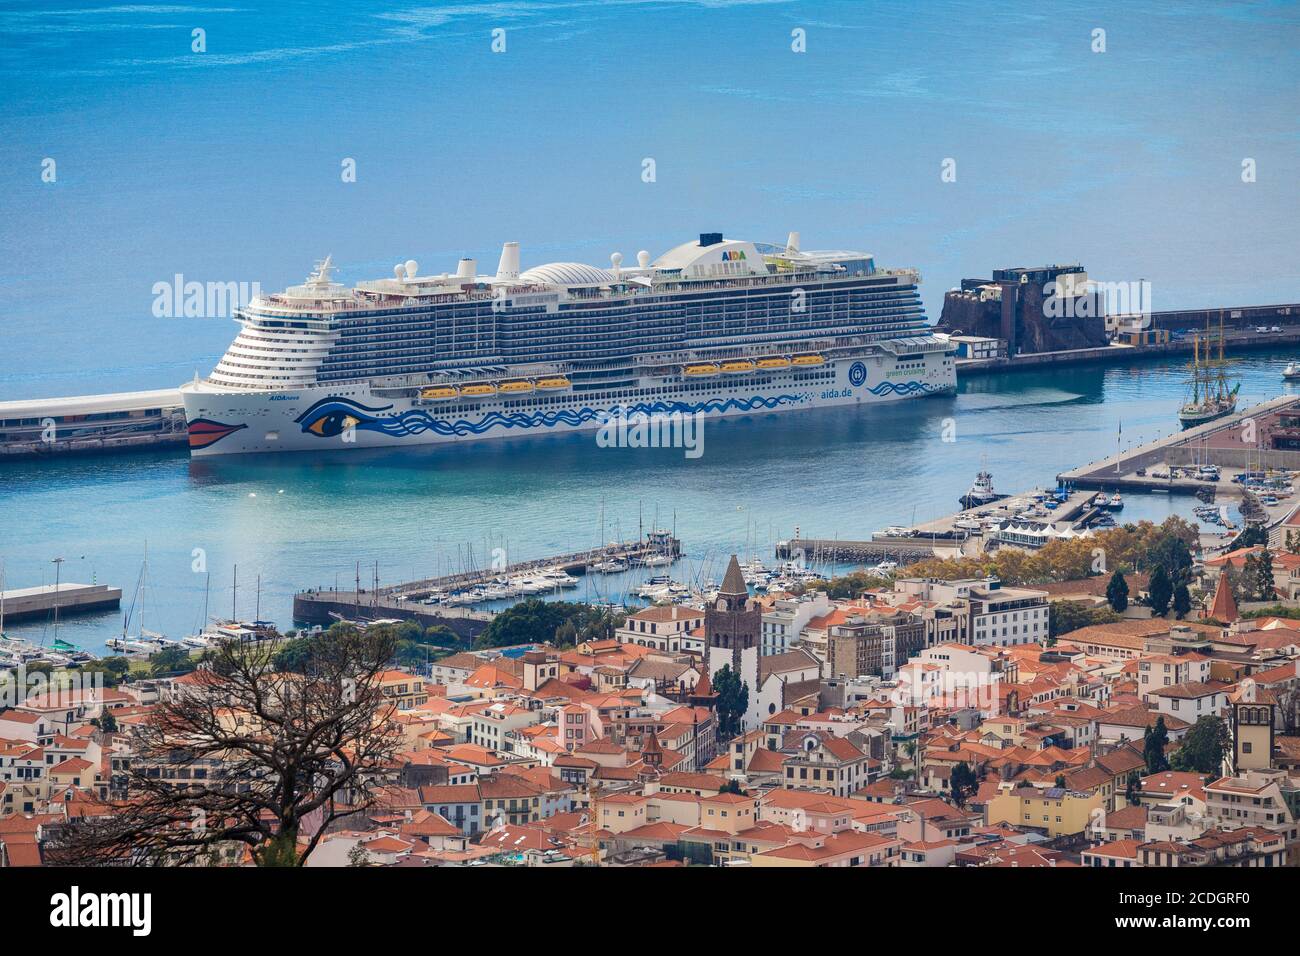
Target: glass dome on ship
[{"x": 714, "y": 326}]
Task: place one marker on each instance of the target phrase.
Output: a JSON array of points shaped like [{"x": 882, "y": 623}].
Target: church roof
[
  {"x": 734, "y": 581},
  {"x": 1224, "y": 608}
]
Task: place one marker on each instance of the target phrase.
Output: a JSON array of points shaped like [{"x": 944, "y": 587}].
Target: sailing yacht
[{"x": 1209, "y": 397}]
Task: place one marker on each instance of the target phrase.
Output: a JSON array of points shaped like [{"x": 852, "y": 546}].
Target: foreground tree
[
  {"x": 1160, "y": 591},
  {"x": 733, "y": 701},
  {"x": 1154, "y": 741},
  {"x": 1203, "y": 747},
  {"x": 1117, "y": 593},
  {"x": 283, "y": 754}
]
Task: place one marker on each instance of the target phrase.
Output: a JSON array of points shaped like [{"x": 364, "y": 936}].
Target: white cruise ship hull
[{"x": 355, "y": 415}]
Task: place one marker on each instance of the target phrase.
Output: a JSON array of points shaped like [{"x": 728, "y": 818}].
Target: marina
[{"x": 413, "y": 512}]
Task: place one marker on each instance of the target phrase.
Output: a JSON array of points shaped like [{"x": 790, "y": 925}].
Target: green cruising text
[{"x": 714, "y": 327}]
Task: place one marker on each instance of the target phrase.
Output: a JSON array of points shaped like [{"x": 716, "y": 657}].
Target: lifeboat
[
  {"x": 700, "y": 371},
  {"x": 478, "y": 390},
  {"x": 553, "y": 384},
  {"x": 807, "y": 361},
  {"x": 440, "y": 393},
  {"x": 515, "y": 388},
  {"x": 773, "y": 362},
  {"x": 738, "y": 367}
]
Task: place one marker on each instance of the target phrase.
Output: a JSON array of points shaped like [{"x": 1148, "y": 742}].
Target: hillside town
[{"x": 919, "y": 722}]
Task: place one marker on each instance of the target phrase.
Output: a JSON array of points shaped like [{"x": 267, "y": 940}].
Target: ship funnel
[
  {"x": 792, "y": 244},
  {"x": 467, "y": 269},
  {"x": 508, "y": 267}
]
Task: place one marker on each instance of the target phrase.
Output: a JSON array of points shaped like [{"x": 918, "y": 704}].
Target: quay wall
[
  {"x": 72, "y": 599},
  {"x": 314, "y": 607}
]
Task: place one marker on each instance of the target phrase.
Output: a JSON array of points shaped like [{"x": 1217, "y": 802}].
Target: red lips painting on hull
[{"x": 204, "y": 432}]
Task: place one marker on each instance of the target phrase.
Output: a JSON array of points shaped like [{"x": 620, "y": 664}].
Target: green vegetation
[
  {"x": 1117, "y": 592},
  {"x": 733, "y": 701},
  {"x": 1069, "y": 616},
  {"x": 1203, "y": 746},
  {"x": 535, "y": 620},
  {"x": 1154, "y": 741},
  {"x": 1135, "y": 547}
]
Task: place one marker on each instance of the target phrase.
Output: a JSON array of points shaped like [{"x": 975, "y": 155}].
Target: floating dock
[
  {"x": 90, "y": 424},
  {"x": 23, "y": 604}
]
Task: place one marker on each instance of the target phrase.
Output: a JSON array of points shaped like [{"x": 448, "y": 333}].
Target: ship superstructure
[{"x": 714, "y": 326}]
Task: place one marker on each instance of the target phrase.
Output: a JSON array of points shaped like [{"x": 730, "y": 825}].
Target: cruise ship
[{"x": 716, "y": 326}]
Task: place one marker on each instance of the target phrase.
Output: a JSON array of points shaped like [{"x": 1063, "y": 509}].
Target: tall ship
[
  {"x": 1209, "y": 395},
  {"x": 718, "y": 327}
]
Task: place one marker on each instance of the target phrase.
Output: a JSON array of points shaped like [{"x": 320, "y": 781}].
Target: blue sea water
[
  {"x": 300, "y": 521},
  {"x": 225, "y": 166}
]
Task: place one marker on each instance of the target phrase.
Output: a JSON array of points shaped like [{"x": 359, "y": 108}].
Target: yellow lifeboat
[
  {"x": 478, "y": 390},
  {"x": 773, "y": 362},
  {"x": 515, "y": 388},
  {"x": 738, "y": 366},
  {"x": 700, "y": 371},
  {"x": 805, "y": 361},
  {"x": 440, "y": 393},
  {"x": 553, "y": 384}
]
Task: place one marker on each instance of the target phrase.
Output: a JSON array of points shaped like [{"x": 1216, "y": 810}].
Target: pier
[
  {"x": 90, "y": 424},
  {"x": 405, "y": 601},
  {"x": 1240, "y": 335},
  {"x": 23, "y": 604},
  {"x": 577, "y": 562},
  {"x": 327, "y": 607},
  {"x": 899, "y": 550}
]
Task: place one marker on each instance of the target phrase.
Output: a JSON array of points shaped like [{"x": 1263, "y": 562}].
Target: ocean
[{"x": 128, "y": 158}]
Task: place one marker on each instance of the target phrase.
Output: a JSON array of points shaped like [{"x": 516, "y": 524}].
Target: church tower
[{"x": 733, "y": 635}]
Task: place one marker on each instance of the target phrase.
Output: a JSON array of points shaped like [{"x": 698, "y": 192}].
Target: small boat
[
  {"x": 656, "y": 560},
  {"x": 701, "y": 371},
  {"x": 611, "y": 566},
  {"x": 1101, "y": 500},
  {"x": 555, "y": 383},
  {"x": 737, "y": 367},
  {"x": 981, "y": 492},
  {"x": 478, "y": 390},
  {"x": 806, "y": 361},
  {"x": 1116, "y": 502},
  {"x": 773, "y": 362},
  {"x": 440, "y": 393},
  {"x": 1292, "y": 372},
  {"x": 519, "y": 387}
]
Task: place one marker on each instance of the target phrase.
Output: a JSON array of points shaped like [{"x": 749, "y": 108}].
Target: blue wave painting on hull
[
  {"x": 903, "y": 388},
  {"x": 329, "y": 417}
]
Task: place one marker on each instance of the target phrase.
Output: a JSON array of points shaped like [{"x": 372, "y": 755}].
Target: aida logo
[{"x": 734, "y": 256}]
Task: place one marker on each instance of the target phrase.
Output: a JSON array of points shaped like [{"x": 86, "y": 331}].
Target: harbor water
[{"x": 298, "y": 521}]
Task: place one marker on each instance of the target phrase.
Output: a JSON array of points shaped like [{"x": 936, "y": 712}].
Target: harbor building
[{"x": 92, "y": 423}]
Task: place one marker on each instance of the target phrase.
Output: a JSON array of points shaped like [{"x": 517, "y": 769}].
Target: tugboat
[
  {"x": 1210, "y": 397},
  {"x": 981, "y": 492}
]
